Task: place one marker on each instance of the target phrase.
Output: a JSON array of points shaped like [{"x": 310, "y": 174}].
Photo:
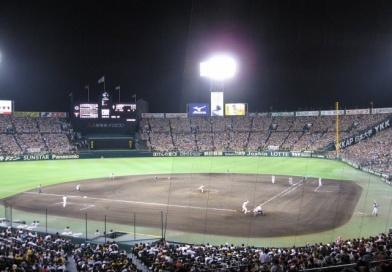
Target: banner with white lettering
[{"x": 364, "y": 135}]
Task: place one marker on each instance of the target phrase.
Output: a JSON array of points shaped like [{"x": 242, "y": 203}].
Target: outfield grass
[{"x": 17, "y": 177}]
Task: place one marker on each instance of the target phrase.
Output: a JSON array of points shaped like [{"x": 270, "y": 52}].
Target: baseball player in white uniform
[
  {"x": 64, "y": 201},
  {"x": 244, "y": 208},
  {"x": 291, "y": 181},
  {"x": 273, "y": 179},
  {"x": 201, "y": 188},
  {"x": 375, "y": 208}
]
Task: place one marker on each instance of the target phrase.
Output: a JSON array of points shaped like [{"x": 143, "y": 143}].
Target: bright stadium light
[{"x": 218, "y": 68}]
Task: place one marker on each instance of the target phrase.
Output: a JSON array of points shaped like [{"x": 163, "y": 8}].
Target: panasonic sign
[{"x": 198, "y": 109}]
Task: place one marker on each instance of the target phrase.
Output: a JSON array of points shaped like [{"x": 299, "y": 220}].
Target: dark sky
[{"x": 291, "y": 54}]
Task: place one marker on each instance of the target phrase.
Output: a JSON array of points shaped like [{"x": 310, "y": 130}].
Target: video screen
[{"x": 125, "y": 111}]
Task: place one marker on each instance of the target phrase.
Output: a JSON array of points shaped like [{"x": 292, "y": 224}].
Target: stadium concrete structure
[{"x": 154, "y": 194}]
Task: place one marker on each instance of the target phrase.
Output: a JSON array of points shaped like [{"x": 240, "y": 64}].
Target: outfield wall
[
  {"x": 136, "y": 153},
  {"x": 154, "y": 154}
]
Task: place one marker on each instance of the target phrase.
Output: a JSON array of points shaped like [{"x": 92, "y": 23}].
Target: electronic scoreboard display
[
  {"x": 119, "y": 111},
  {"x": 107, "y": 110},
  {"x": 86, "y": 110}
]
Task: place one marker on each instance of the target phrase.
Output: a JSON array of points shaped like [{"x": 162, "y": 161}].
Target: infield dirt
[{"x": 175, "y": 202}]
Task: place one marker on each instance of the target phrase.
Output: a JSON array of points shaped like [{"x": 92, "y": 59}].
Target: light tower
[{"x": 217, "y": 69}]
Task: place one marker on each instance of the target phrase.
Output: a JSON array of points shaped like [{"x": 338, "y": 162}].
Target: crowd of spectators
[
  {"x": 361, "y": 254},
  {"x": 102, "y": 257},
  {"x": 22, "y": 135},
  {"x": 373, "y": 153},
  {"x": 23, "y": 249},
  {"x": 250, "y": 133},
  {"x": 26, "y": 135},
  {"x": 26, "y": 250},
  {"x": 308, "y": 133}
]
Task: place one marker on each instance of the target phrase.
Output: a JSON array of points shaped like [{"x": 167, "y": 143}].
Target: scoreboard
[
  {"x": 86, "y": 110},
  {"x": 107, "y": 110},
  {"x": 125, "y": 111},
  {"x": 104, "y": 117}
]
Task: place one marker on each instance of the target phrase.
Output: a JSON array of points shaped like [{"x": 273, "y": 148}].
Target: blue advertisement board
[{"x": 198, "y": 109}]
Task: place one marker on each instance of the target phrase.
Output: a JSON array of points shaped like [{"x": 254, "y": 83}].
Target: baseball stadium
[{"x": 316, "y": 175}]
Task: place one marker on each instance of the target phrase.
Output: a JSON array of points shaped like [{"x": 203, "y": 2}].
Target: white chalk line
[
  {"x": 284, "y": 192},
  {"x": 86, "y": 206},
  {"x": 140, "y": 202},
  {"x": 289, "y": 191}
]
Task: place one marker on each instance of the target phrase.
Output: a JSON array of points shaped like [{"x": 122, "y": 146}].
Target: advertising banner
[
  {"x": 235, "y": 109},
  {"x": 6, "y": 107},
  {"x": 216, "y": 103},
  {"x": 382, "y": 110},
  {"x": 364, "y": 135},
  {"x": 282, "y": 114},
  {"x": 152, "y": 115},
  {"x": 357, "y": 111},
  {"x": 198, "y": 109},
  {"x": 307, "y": 113},
  {"x": 26, "y": 114},
  {"x": 331, "y": 112},
  {"x": 54, "y": 114},
  {"x": 176, "y": 115}
]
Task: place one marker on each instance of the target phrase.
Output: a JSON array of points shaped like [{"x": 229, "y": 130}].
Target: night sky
[{"x": 292, "y": 55}]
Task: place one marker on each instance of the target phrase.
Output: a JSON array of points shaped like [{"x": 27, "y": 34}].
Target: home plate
[{"x": 85, "y": 197}]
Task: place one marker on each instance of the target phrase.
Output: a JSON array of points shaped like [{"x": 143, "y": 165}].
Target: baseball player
[
  {"x": 40, "y": 189},
  {"x": 64, "y": 201},
  {"x": 111, "y": 175},
  {"x": 244, "y": 208},
  {"x": 320, "y": 183},
  {"x": 258, "y": 211},
  {"x": 375, "y": 208},
  {"x": 201, "y": 188},
  {"x": 291, "y": 181},
  {"x": 273, "y": 179}
]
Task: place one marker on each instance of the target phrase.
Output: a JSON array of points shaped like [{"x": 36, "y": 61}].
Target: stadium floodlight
[{"x": 219, "y": 67}]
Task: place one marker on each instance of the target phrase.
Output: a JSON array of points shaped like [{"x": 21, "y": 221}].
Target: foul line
[
  {"x": 284, "y": 192},
  {"x": 138, "y": 202},
  {"x": 87, "y": 206}
]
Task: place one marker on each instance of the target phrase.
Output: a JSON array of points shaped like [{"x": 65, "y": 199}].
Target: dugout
[{"x": 110, "y": 142}]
